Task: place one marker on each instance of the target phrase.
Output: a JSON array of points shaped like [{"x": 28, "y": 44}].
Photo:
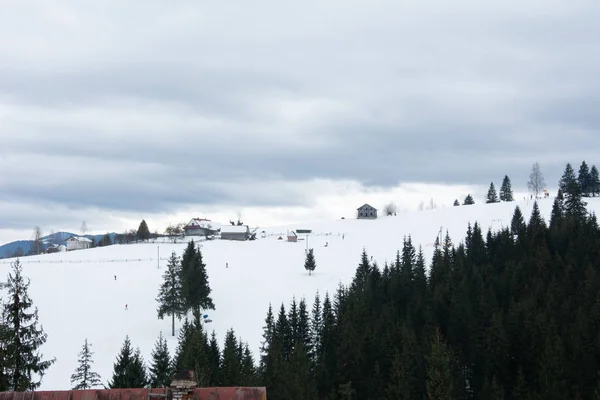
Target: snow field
[{"x": 82, "y": 299}]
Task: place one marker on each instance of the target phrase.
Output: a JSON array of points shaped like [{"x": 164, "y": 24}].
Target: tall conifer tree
[
  {"x": 22, "y": 338},
  {"x": 506, "y": 192},
  {"x": 594, "y": 181},
  {"x": 161, "y": 368},
  {"x": 170, "y": 296},
  {"x": 492, "y": 195},
  {"x": 84, "y": 377},
  {"x": 584, "y": 179}
]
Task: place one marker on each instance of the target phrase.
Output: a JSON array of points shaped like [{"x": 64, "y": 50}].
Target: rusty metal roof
[{"x": 214, "y": 393}]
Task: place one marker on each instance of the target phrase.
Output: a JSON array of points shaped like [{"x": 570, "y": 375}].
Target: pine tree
[
  {"x": 161, "y": 367},
  {"x": 556, "y": 214},
  {"x": 214, "y": 360},
  {"x": 469, "y": 200},
  {"x": 506, "y": 193},
  {"x": 84, "y": 377},
  {"x": 585, "y": 180},
  {"x": 568, "y": 181},
  {"x": 594, "y": 181},
  {"x": 22, "y": 339},
  {"x": 456, "y": 203},
  {"x": 143, "y": 233},
  {"x": 517, "y": 224},
  {"x": 138, "y": 373},
  {"x": 267, "y": 336},
  {"x": 309, "y": 262},
  {"x": 492, "y": 196},
  {"x": 575, "y": 207},
  {"x": 129, "y": 370},
  {"x": 231, "y": 367},
  {"x": 170, "y": 296},
  {"x": 439, "y": 370},
  {"x": 195, "y": 287},
  {"x": 316, "y": 328},
  {"x": 248, "y": 371}
]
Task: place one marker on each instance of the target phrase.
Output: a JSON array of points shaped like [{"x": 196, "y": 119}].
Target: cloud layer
[{"x": 151, "y": 108}]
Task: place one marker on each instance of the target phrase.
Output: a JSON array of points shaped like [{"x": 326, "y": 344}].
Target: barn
[
  {"x": 292, "y": 237},
  {"x": 235, "y": 232}
]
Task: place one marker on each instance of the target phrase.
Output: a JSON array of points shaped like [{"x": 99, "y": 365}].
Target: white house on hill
[
  {"x": 78, "y": 243},
  {"x": 200, "y": 227}
]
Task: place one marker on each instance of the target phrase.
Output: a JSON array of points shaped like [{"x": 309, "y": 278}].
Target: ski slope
[{"x": 78, "y": 297}]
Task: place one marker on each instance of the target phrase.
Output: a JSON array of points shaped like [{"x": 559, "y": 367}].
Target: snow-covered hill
[{"x": 78, "y": 297}]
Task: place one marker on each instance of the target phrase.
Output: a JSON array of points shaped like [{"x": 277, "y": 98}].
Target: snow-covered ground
[{"x": 78, "y": 297}]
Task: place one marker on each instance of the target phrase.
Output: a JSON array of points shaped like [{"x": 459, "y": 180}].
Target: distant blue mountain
[{"x": 25, "y": 246}]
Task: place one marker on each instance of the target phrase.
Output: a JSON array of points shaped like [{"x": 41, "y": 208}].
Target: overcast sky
[{"x": 113, "y": 111}]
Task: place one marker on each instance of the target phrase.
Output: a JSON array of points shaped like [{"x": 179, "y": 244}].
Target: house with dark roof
[{"x": 366, "y": 211}]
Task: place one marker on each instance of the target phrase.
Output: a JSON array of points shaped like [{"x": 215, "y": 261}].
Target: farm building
[
  {"x": 78, "y": 243},
  {"x": 235, "y": 232},
  {"x": 183, "y": 387},
  {"x": 55, "y": 248},
  {"x": 200, "y": 227},
  {"x": 292, "y": 237},
  {"x": 366, "y": 211}
]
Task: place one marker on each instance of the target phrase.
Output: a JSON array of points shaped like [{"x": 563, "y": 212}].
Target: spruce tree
[
  {"x": 170, "y": 296},
  {"x": 84, "y": 377},
  {"x": 439, "y": 370},
  {"x": 143, "y": 233},
  {"x": 138, "y": 373},
  {"x": 160, "y": 367},
  {"x": 469, "y": 200},
  {"x": 22, "y": 338},
  {"x": 506, "y": 193},
  {"x": 517, "y": 223},
  {"x": 594, "y": 181},
  {"x": 129, "y": 370},
  {"x": 248, "y": 370},
  {"x": 492, "y": 196},
  {"x": 584, "y": 179},
  {"x": 575, "y": 207},
  {"x": 267, "y": 336},
  {"x": 568, "y": 181},
  {"x": 231, "y": 365},
  {"x": 456, "y": 203},
  {"x": 316, "y": 328},
  {"x": 195, "y": 287},
  {"x": 309, "y": 262},
  {"x": 214, "y": 360}
]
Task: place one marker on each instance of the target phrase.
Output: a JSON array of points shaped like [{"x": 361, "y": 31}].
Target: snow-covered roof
[
  {"x": 234, "y": 228},
  {"x": 202, "y": 223},
  {"x": 79, "y": 239}
]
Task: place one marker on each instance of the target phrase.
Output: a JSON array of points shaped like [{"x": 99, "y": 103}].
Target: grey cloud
[{"x": 159, "y": 106}]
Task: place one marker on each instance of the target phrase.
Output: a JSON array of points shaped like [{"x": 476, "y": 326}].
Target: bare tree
[
  {"x": 83, "y": 228},
  {"x": 239, "y": 218},
  {"x": 37, "y": 240},
  {"x": 536, "y": 180},
  {"x": 431, "y": 204},
  {"x": 390, "y": 209}
]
